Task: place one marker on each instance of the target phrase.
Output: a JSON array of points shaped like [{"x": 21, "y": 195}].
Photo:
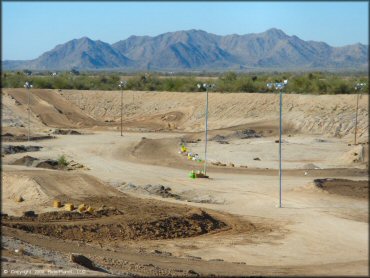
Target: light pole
[
  {"x": 122, "y": 85},
  {"x": 206, "y": 86},
  {"x": 358, "y": 87},
  {"x": 279, "y": 86},
  {"x": 28, "y": 86}
]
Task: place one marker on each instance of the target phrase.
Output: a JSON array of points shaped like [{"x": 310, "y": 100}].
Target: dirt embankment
[
  {"x": 47, "y": 107},
  {"x": 331, "y": 115}
]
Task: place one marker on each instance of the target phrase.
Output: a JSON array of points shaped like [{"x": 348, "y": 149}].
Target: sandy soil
[{"x": 319, "y": 230}]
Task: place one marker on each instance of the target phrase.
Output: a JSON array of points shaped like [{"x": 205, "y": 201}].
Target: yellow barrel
[
  {"x": 69, "y": 207},
  {"x": 57, "y": 204},
  {"x": 18, "y": 199},
  {"x": 82, "y": 207},
  {"x": 90, "y": 209}
]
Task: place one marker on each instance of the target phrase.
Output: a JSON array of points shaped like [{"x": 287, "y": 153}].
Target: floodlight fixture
[
  {"x": 359, "y": 86},
  {"x": 122, "y": 85}
]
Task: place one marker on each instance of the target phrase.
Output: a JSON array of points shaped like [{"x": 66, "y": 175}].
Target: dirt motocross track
[{"x": 150, "y": 219}]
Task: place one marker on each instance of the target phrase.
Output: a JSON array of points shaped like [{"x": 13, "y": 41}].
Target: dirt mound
[
  {"x": 9, "y": 149},
  {"x": 21, "y": 185},
  {"x": 64, "y": 215},
  {"x": 358, "y": 154},
  {"x": 247, "y": 134},
  {"x": 40, "y": 186},
  {"x": 9, "y": 137},
  {"x": 66, "y": 132},
  {"x": 158, "y": 190},
  {"x": 48, "y": 164},
  {"x": 343, "y": 187},
  {"x": 220, "y": 139},
  {"x": 26, "y": 161},
  {"x": 94, "y": 227}
]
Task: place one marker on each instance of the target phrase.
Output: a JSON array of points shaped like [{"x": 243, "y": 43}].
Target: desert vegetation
[{"x": 301, "y": 83}]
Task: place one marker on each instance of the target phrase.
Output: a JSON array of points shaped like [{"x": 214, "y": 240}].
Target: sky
[{"x": 32, "y": 28}]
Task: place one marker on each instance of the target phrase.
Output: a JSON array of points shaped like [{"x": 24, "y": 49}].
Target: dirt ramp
[
  {"x": 163, "y": 152},
  {"x": 51, "y": 108},
  {"x": 37, "y": 186}
]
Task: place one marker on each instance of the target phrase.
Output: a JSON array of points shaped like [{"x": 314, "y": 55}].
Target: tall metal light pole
[
  {"x": 122, "y": 85},
  {"x": 206, "y": 86},
  {"x": 279, "y": 86},
  {"x": 28, "y": 86},
  {"x": 358, "y": 87}
]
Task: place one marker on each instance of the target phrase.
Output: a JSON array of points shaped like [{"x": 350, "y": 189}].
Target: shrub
[{"x": 62, "y": 161}]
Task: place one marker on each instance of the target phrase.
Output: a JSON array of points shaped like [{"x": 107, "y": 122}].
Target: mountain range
[{"x": 198, "y": 50}]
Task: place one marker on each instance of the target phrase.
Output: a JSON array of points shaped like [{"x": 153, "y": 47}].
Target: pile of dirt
[
  {"x": 9, "y": 149},
  {"x": 344, "y": 187},
  {"x": 220, "y": 139},
  {"x": 35, "y": 162},
  {"x": 166, "y": 192},
  {"x": 66, "y": 132},
  {"x": 64, "y": 215},
  {"x": 26, "y": 161},
  {"x": 9, "y": 137},
  {"x": 157, "y": 190},
  {"x": 160, "y": 190},
  {"x": 47, "y": 163},
  {"x": 116, "y": 227},
  {"x": 218, "y": 163},
  {"x": 247, "y": 134}
]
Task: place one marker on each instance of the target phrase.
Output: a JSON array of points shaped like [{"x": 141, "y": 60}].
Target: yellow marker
[
  {"x": 69, "y": 207},
  {"x": 81, "y": 207},
  {"x": 89, "y": 209},
  {"x": 57, "y": 204}
]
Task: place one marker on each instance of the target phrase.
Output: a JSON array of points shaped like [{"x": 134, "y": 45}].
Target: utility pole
[
  {"x": 207, "y": 87},
  {"x": 280, "y": 86},
  {"x": 122, "y": 85},
  {"x": 28, "y": 86},
  {"x": 358, "y": 87}
]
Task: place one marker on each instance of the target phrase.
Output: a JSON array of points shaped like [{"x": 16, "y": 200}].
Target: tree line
[{"x": 301, "y": 83}]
